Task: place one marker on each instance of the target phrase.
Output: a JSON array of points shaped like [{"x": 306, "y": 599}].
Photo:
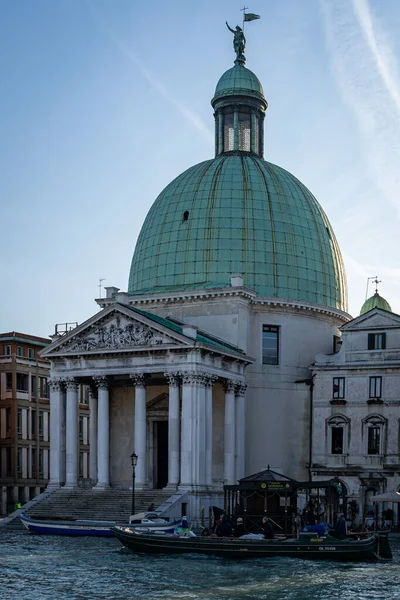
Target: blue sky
[{"x": 104, "y": 102}]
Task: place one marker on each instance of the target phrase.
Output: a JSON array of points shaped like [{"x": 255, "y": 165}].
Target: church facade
[{"x": 202, "y": 366}]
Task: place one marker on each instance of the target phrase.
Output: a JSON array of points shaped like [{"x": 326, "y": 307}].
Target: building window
[
  {"x": 41, "y": 464},
  {"x": 338, "y": 433},
  {"x": 374, "y": 440},
  {"x": 375, "y": 387},
  {"x": 33, "y": 462},
  {"x": 33, "y": 423},
  {"x": 20, "y": 351},
  {"x": 41, "y": 425},
  {"x": 376, "y": 341},
  {"x": 228, "y": 132},
  {"x": 33, "y": 386},
  {"x": 9, "y": 382},
  {"x": 270, "y": 345},
  {"x": 19, "y": 423},
  {"x": 43, "y": 388},
  {"x": 19, "y": 462},
  {"x": 374, "y": 434},
  {"x": 8, "y": 421},
  {"x": 7, "y": 350},
  {"x": 22, "y": 382},
  {"x": 337, "y": 440},
  {"x": 31, "y": 353},
  {"x": 338, "y": 388},
  {"x": 8, "y": 462}
]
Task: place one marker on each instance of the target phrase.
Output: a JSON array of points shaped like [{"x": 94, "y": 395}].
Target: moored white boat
[{"x": 72, "y": 527}]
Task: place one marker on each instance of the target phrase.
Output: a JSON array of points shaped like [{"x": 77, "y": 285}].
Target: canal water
[{"x": 57, "y": 568}]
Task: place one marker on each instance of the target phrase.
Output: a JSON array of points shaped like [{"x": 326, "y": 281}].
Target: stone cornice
[{"x": 244, "y": 293}]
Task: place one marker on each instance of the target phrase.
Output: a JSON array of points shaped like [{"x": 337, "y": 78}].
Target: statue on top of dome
[{"x": 239, "y": 42}]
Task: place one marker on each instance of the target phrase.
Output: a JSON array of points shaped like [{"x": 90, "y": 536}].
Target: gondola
[{"x": 306, "y": 546}]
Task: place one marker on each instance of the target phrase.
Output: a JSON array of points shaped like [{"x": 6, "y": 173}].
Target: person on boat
[
  {"x": 225, "y": 528},
  {"x": 318, "y": 528},
  {"x": 217, "y": 514},
  {"x": 239, "y": 528},
  {"x": 340, "y": 530},
  {"x": 151, "y": 507},
  {"x": 268, "y": 529}
]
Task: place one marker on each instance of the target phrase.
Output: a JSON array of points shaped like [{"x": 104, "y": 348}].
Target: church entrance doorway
[{"x": 161, "y": 454}]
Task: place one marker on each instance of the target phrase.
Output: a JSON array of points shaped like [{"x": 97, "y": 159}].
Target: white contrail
[
  {"x": 190, "y": 116},
  {"x": 381, "y": 53},
  {"x": 366, "y": 73}
]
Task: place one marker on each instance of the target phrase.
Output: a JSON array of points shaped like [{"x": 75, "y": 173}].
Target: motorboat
[{"x": 307, "y": 545}]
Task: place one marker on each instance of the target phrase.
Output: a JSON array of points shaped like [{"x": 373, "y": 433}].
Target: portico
[{"x": 135, "y": 363}]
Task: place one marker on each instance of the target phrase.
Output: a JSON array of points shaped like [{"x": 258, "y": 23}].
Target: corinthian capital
[
  {"x": 139, "y": 379},
  {"x": 71, "y": 384},
  {"x": 102, "y": 383},
  {"x": 241, "y": 388},
  {"x": 174, "y": 379},
  {"x": 229, "y": 386},
  {"x": 193, "y": 378},
  {"x": 210, "y": 380},
  {"x": 56, "y": 385}
]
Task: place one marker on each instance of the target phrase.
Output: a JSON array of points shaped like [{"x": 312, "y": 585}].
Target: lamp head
[{"x": 134, "y": 459}]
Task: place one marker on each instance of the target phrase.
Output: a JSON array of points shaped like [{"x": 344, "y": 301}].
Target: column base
[
  {"x": 101, "y": 486},
  {"x": 171, "y": 487},
  {"x": 52, "y": 485},
  {"x": 70, "y": 486}
]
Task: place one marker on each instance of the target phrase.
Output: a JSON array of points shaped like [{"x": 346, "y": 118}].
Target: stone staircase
[{"x": 103, "y": 505}]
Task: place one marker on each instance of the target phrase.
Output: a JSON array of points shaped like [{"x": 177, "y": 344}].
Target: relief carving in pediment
[{"x": 118, "y": 333}]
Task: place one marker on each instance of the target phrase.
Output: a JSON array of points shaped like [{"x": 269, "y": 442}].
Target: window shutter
[
  {"x": 370, "y": 341},
  {"x": 383, "y": 341}
]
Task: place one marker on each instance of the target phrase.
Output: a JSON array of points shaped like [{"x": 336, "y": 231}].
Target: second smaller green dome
[
  {"x": 376, "y": 301},
  {"x": 238, "y": 81}
]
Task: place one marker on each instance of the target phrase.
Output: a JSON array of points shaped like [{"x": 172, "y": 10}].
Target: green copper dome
[
  {"x": 238, "y": 214},
  {"x": 238, "y": 81},
  {"x": 376, "y": 301}
]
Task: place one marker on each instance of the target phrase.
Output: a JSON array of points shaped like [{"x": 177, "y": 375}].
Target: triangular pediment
[
  {"x": 116, "y": 328},
  {"x": 374, "y": 319},
  {"x": 160, "y": 402}
]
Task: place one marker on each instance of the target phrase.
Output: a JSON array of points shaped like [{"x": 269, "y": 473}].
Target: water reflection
[{"x": 37, "y": 568}]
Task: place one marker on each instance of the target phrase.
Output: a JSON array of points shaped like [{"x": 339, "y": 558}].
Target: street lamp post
[{"x": 134, "y": 459}]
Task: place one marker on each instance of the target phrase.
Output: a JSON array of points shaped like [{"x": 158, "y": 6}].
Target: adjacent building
[
  {"x": 356, "y": 409},
  {"x": 25, "y": 419}
]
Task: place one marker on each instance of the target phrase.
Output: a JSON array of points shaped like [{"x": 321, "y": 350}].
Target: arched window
[
  {"x": 374, "y": 429},
  {"x": 338, "y": 434}
]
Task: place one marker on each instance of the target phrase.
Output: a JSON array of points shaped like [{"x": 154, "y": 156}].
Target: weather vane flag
[{"x": 239, "y": 41}]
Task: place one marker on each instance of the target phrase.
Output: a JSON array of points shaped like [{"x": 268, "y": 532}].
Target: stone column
[
  {"x": 209, "y": 427},
  {"x": 139, "y": 381},
  {"x": 173, "y": 429},
  {"x": 57, "y": 427},
  {"x": 229, "y": 433},
  {"x": 93, "y": 424},
  {"x": 240, "y": 423},
  {"x": 193, "y": 430},
  {"x": 103, "y": 433},
  {"x": 200, "y": 431},
  {"x": 71, "y": 447}
]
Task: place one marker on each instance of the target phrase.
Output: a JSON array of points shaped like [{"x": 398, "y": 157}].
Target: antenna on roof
[
  {"x": 101, "y": 279},
  {"x": 376, "y": 281}
]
